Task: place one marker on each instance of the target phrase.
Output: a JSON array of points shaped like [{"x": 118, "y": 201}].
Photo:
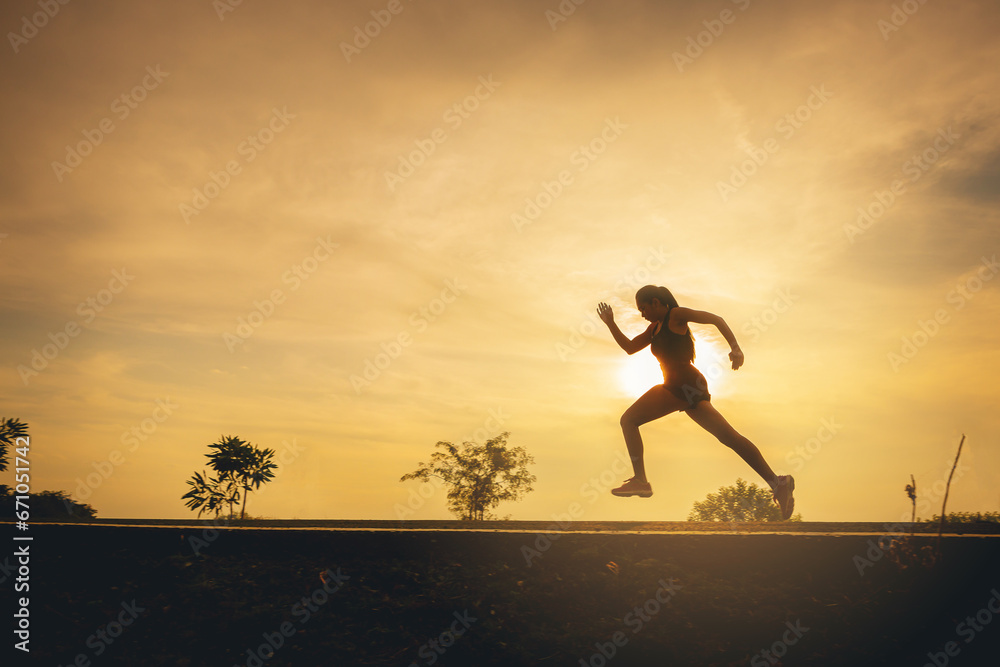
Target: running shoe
[
  {"x": 633, "y": 487},
  {"x": 782, "y": 493}
]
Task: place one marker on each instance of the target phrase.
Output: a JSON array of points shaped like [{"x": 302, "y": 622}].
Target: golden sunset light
[
  {"x": 637, "y": 375},
  {"x": 347, "y": 231}
]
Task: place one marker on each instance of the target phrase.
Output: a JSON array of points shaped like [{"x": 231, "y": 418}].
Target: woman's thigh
[{"x": 655, "y": 403}]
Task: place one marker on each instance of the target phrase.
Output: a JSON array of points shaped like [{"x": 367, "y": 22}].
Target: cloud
[{"x": 591, "y": 164}]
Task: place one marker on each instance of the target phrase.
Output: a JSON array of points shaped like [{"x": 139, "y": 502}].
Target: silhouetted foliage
[
  {"x": 967, "y": 517},
  {"x": 52, "y": 505},
  {"x": 210, "y": 494},
  {"x": 59, "y": 505},
  {"x": 240, "y": 468},
  {"x": 740, "y": 502},
  {"x": 480, "y": 477},
  {"x": 10, "y": 431},
  {"x": 44, "y": 504},
  {"x": 911, "y": 493}
]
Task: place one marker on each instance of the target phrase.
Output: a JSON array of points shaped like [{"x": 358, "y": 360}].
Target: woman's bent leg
[{"x": 655, "y": 403}]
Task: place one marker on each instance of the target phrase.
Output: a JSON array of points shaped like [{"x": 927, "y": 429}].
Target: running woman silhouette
[{"x": 684, "y": 388}]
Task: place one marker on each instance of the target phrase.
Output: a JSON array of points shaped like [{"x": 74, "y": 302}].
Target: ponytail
[{"x": 649, "y": 292}]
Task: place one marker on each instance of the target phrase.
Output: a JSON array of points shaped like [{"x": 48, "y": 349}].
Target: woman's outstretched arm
[
  {"x": 631, "y": 346},
  {"x": 685, "y": 315}
]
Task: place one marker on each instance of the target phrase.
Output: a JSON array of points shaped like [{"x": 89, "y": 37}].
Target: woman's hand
[
  {"x": 736, "y": 356},
  {"x": 605, "y": 313}
]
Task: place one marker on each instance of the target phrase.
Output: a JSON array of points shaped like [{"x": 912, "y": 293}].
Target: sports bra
[{"x": 669, "y": 348}]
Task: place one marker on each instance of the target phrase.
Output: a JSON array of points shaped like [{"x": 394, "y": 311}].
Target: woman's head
[
  {"x": 646, "y": 295},
  {"x": 654, "y": 302}
]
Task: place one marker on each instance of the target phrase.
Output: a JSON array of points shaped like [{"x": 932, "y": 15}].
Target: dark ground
[{"x": 733, "y": 596}]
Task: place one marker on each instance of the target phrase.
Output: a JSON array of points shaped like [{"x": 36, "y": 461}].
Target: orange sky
[{"x": 215, "y": 222}]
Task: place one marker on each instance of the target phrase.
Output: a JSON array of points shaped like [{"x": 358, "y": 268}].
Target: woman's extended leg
[
  {"x": 705, "y": 415},
  {"x": 655, "y": 403}
]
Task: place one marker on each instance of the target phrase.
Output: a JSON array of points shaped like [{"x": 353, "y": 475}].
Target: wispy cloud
[{"x": 609, "y": 209}]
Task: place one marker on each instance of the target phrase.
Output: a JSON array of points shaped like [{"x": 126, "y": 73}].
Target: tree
[
  {"x": 240, "y": 468},
  {"x": 44, "y": 504},
  {"x": 209, "y": 494},
  {"x": 242, "y": 464},
  {"x": 58, "y": 504},
  {"x": 10, "y": 431},
  {"x": 480, "y": 477},
  {"x": 911, "y": 492},
  {"x": 53, "y": 505},
  {"x": 738, "y": 503}
]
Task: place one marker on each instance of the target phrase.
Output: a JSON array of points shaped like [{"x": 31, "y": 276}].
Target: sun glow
[
  {"x": 712, "y": 359},
  {"x": 639, "y": 372}
]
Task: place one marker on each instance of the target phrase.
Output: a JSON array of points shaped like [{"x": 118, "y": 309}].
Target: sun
[{"x": 639, "y": 372}]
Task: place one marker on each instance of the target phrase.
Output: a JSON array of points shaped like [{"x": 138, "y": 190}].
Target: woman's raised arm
[{"x": 631, "y": 346}]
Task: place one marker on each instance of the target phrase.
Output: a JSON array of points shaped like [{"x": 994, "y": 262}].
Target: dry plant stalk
[{"x": 946, "y": 489}]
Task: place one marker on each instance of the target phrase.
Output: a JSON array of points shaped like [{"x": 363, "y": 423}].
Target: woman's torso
[{"x": 671, "y": 349}]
